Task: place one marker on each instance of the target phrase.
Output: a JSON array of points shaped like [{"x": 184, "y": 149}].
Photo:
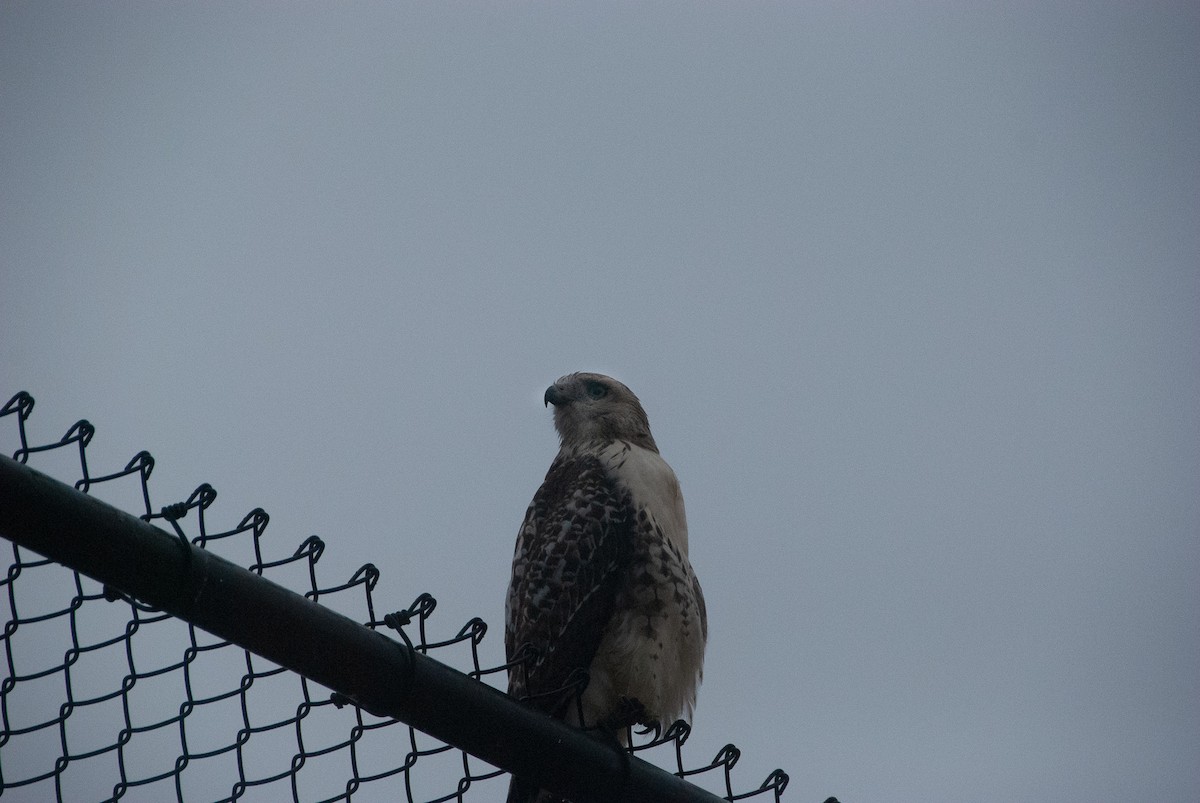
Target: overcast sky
[{"x": 910, "y": 293}]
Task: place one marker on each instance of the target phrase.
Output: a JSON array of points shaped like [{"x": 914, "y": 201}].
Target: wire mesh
[{"x": 105, "y": 698}]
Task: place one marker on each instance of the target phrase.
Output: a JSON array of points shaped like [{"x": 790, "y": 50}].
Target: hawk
[{"x": 601, "y": 582}]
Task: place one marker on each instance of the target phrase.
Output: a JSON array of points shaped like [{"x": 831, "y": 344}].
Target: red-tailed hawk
[{"x": 601, "y": 580}]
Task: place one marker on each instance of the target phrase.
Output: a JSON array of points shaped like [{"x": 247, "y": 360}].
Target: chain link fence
[{"x": 104, "y": 697}]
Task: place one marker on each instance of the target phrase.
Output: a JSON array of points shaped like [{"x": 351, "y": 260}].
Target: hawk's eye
[{"x": 596, "y": 390}]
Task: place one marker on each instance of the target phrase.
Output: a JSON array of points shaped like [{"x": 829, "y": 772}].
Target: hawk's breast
[{"x": 653, "y": 647}]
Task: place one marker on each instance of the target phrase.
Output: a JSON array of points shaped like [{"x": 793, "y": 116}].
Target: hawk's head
[{"x": 591, "y": 408}]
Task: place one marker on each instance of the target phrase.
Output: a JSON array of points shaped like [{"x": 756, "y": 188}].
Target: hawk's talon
[{"x": 629, "y": 712}]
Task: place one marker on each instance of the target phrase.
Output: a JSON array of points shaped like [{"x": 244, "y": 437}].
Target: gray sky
[{"x": 909, "y": 291}]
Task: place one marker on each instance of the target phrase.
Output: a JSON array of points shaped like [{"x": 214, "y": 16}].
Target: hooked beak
[{"x": 553, "y": 396}]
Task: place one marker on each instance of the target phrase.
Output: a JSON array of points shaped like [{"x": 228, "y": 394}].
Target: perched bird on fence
[{"x": 601, "y": 582}]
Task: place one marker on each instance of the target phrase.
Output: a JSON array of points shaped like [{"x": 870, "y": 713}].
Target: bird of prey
[{"x": 601, "y": 582}]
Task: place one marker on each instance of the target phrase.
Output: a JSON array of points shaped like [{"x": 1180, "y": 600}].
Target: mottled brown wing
[{"x": 572, "y": 553}]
